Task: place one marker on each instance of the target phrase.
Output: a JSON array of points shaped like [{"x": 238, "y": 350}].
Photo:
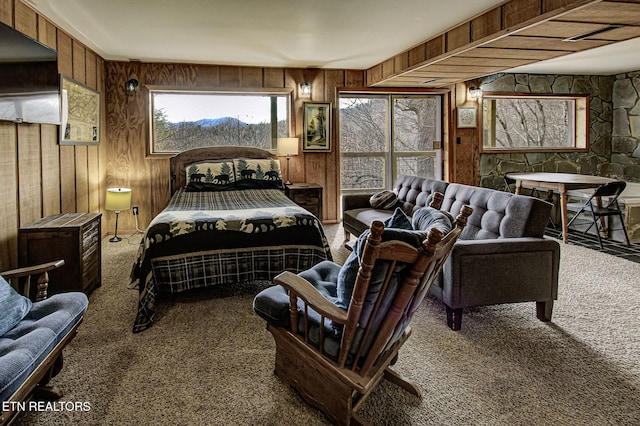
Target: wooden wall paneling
[
  {"x": 90, "y": 70},
  {"x": 293, "y": 78},
  {"x": 82, "y": 179},
  {"x": 208, "y": 75},
  {"x": 159, "y": 181},
  {"x": 465, "y": 155},
  {"x": 435, "y": 47},
  {"x": 6, "y": 12},
  {"x": 516, "y": 12},
  {"x": 274, "y": 78},
  {"x": 354, "y": 78},
  {"x": 417, "y": 55},
  {"x": 185, "y": 75},
  {"x": 93, "y": 163},
  {"x": 458, "y": 36},
  {"x": 93, "y": 178},
  {"x": 9, "y": 205},
  {"x": 78, "y": 62},
  {"x": 65, "y": 54},
  {"x": 50, "y": 169},
  {"x": 67, "y": 152},
  {"x": 67, "y": 179},
  {"x": 387, "y": 68},
  {"x": 401, "y": 61},
  {"x": 229, "y": 76},
  {"x": 47, "y": 33},
  {"x": 334, "y": 79},
  {"x": 159, "y": 74},
  {"x": 126, "y": 151},
  {"x": 30, "y": 173},
  {"x": 486, "y": 24},
  {"x": 102, "y": 148},
  {"x": 251, "y": 77},
  {"x": 81, "y": 154},
  {"x": 26, "y": 20}
]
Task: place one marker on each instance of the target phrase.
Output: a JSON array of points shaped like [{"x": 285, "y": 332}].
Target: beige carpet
[{"x": 208, "y": 359}]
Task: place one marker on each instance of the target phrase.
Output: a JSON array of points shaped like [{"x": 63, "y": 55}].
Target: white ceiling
[{"x": 345, "y": 34}]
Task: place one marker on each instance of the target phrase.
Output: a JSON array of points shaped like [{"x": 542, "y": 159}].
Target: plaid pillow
[{"x": 385, "y": 200}]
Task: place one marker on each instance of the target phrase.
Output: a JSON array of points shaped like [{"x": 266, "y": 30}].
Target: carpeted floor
[{"x": 208, "y": 359}]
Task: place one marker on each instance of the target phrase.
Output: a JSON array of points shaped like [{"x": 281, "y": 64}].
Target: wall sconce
[
  {"x": 475, "y": 92},
  {"x": 288, "y": 147},
  {"x": 305, "y": 89},
  {"x": 117, "y": 199},
  {"x": 131, "y": 86}
]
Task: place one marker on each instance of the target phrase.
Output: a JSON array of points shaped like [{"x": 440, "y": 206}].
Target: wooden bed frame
[{"x": 179, "y": 162}]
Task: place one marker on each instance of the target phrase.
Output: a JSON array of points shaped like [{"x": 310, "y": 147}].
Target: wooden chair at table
[{"x": 336, "y": 366}]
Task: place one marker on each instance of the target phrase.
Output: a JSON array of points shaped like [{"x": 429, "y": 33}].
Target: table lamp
[
  {"x": 288, "y": 147},
  {"x": 117, "y": 199}
]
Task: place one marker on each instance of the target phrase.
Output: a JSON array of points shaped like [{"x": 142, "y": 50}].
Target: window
[
  {"x": 184, "y": 120},
  {"x": 534, "y": 123},
  {"x": 379, "y": 142}
]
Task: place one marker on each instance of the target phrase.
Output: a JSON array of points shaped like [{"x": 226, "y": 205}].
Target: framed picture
[
  {"x": 80, "y": 113},
  {"x": 317, "y": 127},
  {"x": 467, "y": 117}
]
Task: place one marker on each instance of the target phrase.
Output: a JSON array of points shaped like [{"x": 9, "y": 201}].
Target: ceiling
[{"x": 344, "y": 34}]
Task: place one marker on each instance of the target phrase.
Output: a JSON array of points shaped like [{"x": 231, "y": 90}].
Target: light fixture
[
  {"x": 305, "y": 89},
  {"x": 475, "y": 92},
  {"x": 117, "y": 199},
  {"x": 288, "y": 147},
  {"x": 131, "y": 86}
]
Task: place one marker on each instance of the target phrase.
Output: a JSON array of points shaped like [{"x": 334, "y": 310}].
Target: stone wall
[
  {"x": 625, "y": 146},
  {"x": 598, "y": 160}
]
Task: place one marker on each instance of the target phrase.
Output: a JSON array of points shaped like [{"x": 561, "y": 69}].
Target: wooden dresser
[{"x": 74, "y": 237}]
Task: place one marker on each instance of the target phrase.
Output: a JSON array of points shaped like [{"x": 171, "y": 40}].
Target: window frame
[
  {"x": 580, "y": 130},
  {"x": 258, "y": 91},
  {"x": 391, "y": 155}
]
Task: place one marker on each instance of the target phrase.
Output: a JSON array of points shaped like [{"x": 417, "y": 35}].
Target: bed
[{"x": 228, "y": 222}]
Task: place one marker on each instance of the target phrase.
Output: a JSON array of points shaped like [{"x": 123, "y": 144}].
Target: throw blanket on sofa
[{"x": 208, "y": 238}]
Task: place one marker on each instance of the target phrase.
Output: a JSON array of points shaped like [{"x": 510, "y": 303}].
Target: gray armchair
[{"x": 490, "y": 272}]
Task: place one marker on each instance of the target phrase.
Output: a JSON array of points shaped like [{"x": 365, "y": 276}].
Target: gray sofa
[{"x": 501, "y": 256}]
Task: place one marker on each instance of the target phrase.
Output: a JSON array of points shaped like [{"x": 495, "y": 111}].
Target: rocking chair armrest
[
  {"x": 32, "y": 270},
  {"x": 311, "y": 296}
]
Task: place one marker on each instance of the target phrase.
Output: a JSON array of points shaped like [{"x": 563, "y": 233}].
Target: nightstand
[
  {"x": 307, "y": 195},
  {"x": 74, "y": 237}
]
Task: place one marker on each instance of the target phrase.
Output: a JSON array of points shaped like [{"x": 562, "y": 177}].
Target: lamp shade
[
  {"x": 287, "y": 146},
  {"x": 118, "y": 199}
]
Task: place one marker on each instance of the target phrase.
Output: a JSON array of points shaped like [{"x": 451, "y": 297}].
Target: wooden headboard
[{"x": 179, "y": 163}]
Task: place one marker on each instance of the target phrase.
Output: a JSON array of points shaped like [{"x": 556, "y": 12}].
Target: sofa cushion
[
  {"x": 360, "y": 219},
  {"x": 415, "y": 192},
  {"x": 27, "y": 344},
  {"x": 497, "y": 214},
  {"x": 13, "y": 306}
]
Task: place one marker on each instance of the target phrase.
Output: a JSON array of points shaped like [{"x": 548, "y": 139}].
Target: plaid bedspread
[{"x": 207, "y": 238}]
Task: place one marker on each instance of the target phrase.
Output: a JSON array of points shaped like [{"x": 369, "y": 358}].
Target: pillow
[
  {"x": 211, "y": 176},
  {"x": 385, "y": 200},
  {"x": 258, "y": 173},
  {"x": 13, "y": 307},
  {"x": 427, "y": 217},
  {"x": 398, "y": 220}
]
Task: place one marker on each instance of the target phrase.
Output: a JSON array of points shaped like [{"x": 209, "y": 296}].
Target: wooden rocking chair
[{"x": 335, "y": 357}]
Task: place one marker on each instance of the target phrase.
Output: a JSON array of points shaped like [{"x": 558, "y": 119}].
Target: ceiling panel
[{"x": 529, "y": 41}]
